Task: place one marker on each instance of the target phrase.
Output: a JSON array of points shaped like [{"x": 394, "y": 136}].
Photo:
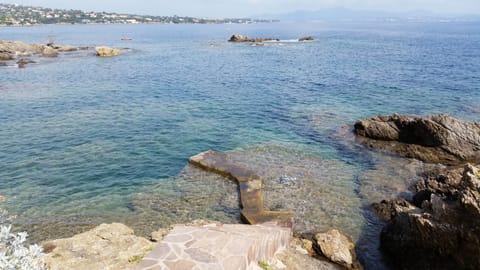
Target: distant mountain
[{"x": 343, "y": 14}]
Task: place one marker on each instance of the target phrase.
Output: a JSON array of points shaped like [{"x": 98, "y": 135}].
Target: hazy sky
[{"x": 242, "y": 8}]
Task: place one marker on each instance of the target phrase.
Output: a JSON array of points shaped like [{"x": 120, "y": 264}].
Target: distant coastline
[{"x": 17, "y": 15}]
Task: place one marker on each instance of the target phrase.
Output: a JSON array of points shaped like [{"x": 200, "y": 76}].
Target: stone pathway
[
  {"x": 251, "y": 195},
  {"x": 217, "y": 247}
]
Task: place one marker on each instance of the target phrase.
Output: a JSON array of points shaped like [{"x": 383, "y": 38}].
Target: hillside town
[{"x": 16, "y": 15}]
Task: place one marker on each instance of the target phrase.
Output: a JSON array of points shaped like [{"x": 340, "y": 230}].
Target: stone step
[{"x": 217, "y": 247}]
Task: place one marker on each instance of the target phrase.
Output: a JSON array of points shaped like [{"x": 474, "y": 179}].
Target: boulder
[
  {"x": 108, "y": 246},
  {"x": 104, "y": 51},
  {"x": 297, "y": 256},
  {"x": 435, "y": 138},
  {"x": 308, "y": 38},
  {"x": 444, "y": 231},
  {"x": 338, "y": 248},
  {"x": 49, "y": 52}
]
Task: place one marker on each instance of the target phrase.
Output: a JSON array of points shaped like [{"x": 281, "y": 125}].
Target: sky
[{"x": 247, "y": 8}]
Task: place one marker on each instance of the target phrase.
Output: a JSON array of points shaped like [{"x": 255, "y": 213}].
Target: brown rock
[
  {"x": 108, "y": 246},
  {"x": 338, "y": 248},
  {"x": 240, "y": 38},
  {"x": 309, "y": 38},
  {"x": 296, "y": 258},
  {"x": 445, "y": 232},
  {"x": 436, "y": 138},
  {"x": 388, "y": 209},
  {"x": 2, "y": 198},
  {"x": 5, "y": 56}
]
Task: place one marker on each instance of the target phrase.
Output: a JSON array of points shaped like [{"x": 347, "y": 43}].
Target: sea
[{"x": 87, "y": 140}]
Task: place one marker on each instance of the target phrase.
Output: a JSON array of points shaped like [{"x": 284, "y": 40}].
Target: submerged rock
[
  {"x": 443, "y": 231},
  {"x": 104, "y": 51},
  {"x": 22, "y": 62},
  {"x": 251, "y": 190},
  {"x": 108, "y": 246},
  {"x": 436, "y": 138}
]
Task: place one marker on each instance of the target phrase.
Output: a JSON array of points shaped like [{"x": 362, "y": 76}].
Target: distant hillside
[
  {"x": 26, "y": 15},
  {"x": 343, "y": 14}
]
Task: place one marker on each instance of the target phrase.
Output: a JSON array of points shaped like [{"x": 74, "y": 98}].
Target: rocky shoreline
[
  {"x": 115, "y": 246},
  {"x": 21, "y": 54},
  {"x": 439, "y": 228}
]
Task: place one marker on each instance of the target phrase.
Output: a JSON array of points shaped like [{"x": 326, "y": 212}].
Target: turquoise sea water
[{"x": 85, "y": 140}]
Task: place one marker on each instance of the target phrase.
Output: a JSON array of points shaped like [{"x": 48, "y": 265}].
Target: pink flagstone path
[{"x": 217, "y": 247}]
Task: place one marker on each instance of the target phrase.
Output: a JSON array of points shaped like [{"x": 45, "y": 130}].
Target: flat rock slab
[
  {"x": 214, "y": 246},
  {"x": 251, "y": 195}
]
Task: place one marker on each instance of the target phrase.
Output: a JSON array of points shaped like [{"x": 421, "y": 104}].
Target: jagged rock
[
  {"x": 309, "y": 38},
  {"x": 445, "y": 232},
  {"x": 2, "y": 198},
  {"x": 436, "y": 138},
  {"x": 240, "y": 38},
  {"x": 338, "y": 248},
  {"x": 388, "y": 209},
  {"x": 104, "y": 51},
  {"x": 108, "y": 246}
]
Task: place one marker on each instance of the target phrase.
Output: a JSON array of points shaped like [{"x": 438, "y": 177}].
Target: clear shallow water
[{"x": 85, "y": 140}]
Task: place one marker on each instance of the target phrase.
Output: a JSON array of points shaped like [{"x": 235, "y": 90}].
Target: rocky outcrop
[
  {"x": 308, "y": 38},
  {"x": 104, "y": 51},
  {"x": 436, "y": 138},
  {"x": 240, "y": 38},
  {"x": 338, "y": 248},
  {"x": 108, "y": 246},
  {"x": 440, "y": 228},
  {"x": 17, "y": 50}
]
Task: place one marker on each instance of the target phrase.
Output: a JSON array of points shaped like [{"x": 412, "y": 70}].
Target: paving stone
[
  {"x": 227, "y": 247},
  {"x": 146, "y": 263},
  {"x": 235, "y": 262},
  {"x": 159, "y": 252},
  {"x": 200, "y": 255},
  {"x": 180, "y": 264}
]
